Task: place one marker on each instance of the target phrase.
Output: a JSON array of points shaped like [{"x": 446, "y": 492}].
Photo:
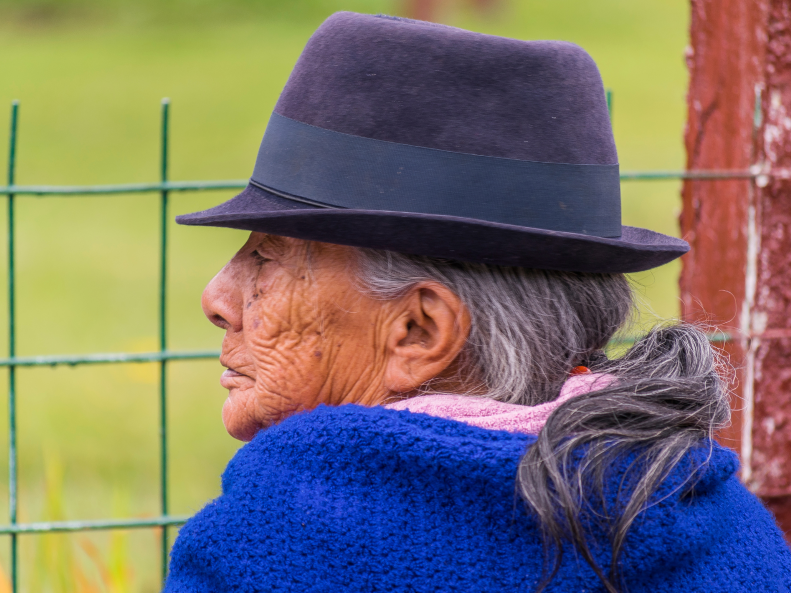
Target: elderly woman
[{"x": 414, "y": 344}]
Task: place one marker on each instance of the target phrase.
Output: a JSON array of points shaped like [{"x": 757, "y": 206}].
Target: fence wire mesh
[{"x": 163, "y": 356}]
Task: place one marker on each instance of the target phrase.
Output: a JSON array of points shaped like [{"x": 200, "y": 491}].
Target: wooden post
[
  {"x": 422, "y": 10},
  {"x": 738, "y": 274},
  {"x": 432, "y": 10}
]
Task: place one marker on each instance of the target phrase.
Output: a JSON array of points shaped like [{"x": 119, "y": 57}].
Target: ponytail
[{"x": 666, "y": 398}]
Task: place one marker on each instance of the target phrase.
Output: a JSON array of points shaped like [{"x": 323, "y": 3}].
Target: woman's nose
[{"x": 222, "y": 299}]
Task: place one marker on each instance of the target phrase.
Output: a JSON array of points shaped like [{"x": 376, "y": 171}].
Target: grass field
[{"x": 87, "y": 267}]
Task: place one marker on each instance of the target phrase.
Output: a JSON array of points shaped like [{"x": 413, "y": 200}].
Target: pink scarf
[{"x": 494, "y": 415}]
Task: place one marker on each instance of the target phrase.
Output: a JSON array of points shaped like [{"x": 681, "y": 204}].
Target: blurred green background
[{"x": 89, "y": 76}]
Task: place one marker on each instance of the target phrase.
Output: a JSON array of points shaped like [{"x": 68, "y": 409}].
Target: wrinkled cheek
[
  {"x": 288, "y": 373},
  {"x": 276, "y": 394}
]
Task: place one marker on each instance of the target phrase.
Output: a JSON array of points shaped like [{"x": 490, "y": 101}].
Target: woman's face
[{"x": 298, "y": 332}]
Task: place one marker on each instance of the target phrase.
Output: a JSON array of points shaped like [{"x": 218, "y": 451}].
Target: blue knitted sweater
[{"x": 370, "y": 499}]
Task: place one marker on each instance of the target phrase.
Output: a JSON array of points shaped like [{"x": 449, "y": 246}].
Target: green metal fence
[{"x": 163, "y": 356}]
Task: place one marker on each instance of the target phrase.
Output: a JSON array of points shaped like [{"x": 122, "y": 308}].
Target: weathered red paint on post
[
  {"x": 423, "y": 10},
  {"x": 432, "y": 10},
  {"x": 738, "y": 274},
  {"x": 771, "y": 460},
  {"x": 719, "y": 136}
]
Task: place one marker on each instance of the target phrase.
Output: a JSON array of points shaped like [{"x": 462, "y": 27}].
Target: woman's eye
[{"x": 260, "y": 258}]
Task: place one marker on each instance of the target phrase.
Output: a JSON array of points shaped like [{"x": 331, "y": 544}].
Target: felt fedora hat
[{"x": 430, "y": 140}]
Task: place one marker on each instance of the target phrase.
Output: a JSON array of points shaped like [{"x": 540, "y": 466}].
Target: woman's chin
[{"x": 238, "y": 424}]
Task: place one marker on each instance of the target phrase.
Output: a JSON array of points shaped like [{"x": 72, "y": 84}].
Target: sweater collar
[{"x": 494, "y": 415}]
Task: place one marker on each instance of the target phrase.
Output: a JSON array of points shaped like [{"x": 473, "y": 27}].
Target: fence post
[
  {"x": 163, "y": 333},
  {"x": 738, "y": 274},
  {"x": 13, "y": 486}
]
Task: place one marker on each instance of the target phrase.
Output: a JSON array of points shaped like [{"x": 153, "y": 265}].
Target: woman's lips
[{"x": 231, "y": 378}]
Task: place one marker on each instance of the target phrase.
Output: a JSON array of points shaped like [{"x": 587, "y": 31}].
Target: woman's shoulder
[
  {"x": 352, "y": 437},
  {"x": 425, "y": 492},
  {"x": 352, "y": 434},
  {"x": 702, "y": 511},
  {"x": 330, "y": 442}
]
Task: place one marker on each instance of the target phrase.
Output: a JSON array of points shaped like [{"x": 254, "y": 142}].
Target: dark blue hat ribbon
[{"x": 325, "y": 168}]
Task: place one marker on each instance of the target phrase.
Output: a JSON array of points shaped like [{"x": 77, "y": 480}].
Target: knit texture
[{"x": 371, "y": 499}]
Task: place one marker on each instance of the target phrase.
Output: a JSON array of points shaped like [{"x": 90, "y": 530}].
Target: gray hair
[{"x": 529, "y": 329}]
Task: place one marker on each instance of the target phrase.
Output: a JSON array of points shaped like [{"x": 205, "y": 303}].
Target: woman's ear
[{"x": 427, "y": 334}]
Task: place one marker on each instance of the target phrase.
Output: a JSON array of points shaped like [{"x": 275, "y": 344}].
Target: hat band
[{"x": 332, "y": 169}]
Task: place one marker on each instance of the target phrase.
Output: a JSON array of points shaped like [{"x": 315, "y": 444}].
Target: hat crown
[
  {"x": 424, "y": 139},
  {"x": 441, "y": 87}
]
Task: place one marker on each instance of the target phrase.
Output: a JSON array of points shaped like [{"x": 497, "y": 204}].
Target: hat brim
[{"x": 450, "y": 237}]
